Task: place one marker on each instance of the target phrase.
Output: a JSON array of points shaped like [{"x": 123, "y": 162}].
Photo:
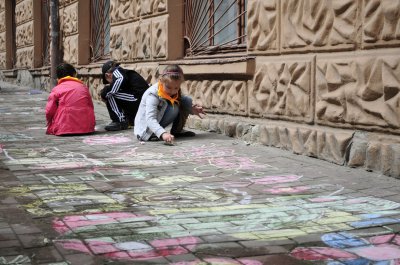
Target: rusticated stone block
[
  {"x": 144, "y": 51},
  {"x": 214, "y": 126},
  {"x": 357, "y": 153},
  {"x": 329, "y": 145},
  {"x": 24, "y": 35},
  {"x": 282, "y": 90},
  {"x": 373, "y": 157},
  {"x": 23, "y": 11},
  {"x": 318, "y": 25},
  {"x": 148, "y": 73},
  {"x": 221, "y": 126},
  {"x": 375, "y": 152},
  {"x": 284, "y": 138},
  {"x": 332, "y": 146},
  {"x": 24, "y": 57},
  {"x": 70, "y": 19},
  {"x": 122, "y": 10},
  {"x": 219, "y": 96},
  {"x": 71, "y": 49},
  {"x": 2, "y": 21},
  {"x": 381, "y": 19},
  {"x": 311, "y": 145},
  {"x": 360, "y": 92},
  {"x": 262, "y": 26},
  {"x": 230, "y": 128},
  {"x": 95, "y": 86},
  {"x": 298, "y": 137},
  {"x": 125, "y": 42},
  {"x": 2, "y": 60},
  {"x": 255, "y": 133},
  {"x": 2, "y": 41},
  {"x": 159, "y": 37},
  {"x": 243, "y": 131}
]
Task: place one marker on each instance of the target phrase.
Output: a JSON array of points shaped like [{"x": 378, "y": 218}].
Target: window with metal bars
[
  {"x": 214, "y": 26},
  {"x": 100, "y": 29},
  {"x": 46, "y": 32}
]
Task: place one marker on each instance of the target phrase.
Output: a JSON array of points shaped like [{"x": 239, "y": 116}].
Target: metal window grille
[
  {"x": 100, "y": 29},
  {"x": 213, "y": 26},
  {"x": 46, "y": 32}
]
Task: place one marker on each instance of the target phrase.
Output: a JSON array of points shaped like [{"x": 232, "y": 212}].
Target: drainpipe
[{"x": 55, "y": 45}]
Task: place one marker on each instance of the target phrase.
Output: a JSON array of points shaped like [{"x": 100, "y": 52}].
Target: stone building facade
[{"x": 317, "y": 77}]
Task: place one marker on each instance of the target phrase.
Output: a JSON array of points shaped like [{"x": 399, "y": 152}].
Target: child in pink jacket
[{"x": 69, "y": 108}]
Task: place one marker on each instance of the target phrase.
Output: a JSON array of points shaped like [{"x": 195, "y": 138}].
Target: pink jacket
[{"x": 69, "y": 108}]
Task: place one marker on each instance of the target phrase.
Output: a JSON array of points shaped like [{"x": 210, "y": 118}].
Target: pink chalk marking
[
  {"x": 204, "y": 152},
  {"x": 118, "y": 255},
  {"x": 235, "y": 163},
  {"x": 287, "y": 190},
  {"x": 175, "y": 242},
  {"x": 378, "y": 253},
  {"x": 396, "y": 240},
  {"x": 276, "y": 179},
  {"x": 320, "y": 253},
  {"x": 106, "y": 140},
  {"x": 103, "y": 248},
  {"x": 376, "y": 240},
  {"x": 323, "y": 199},
  {"x": 73, "y": 244},
  {"x": 159, "y": 252},
  {"x": 72, "y": 222},
  {"x": 250, "y": 262}
]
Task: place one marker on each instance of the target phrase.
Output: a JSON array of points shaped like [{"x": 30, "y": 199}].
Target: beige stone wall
[
  {"x": 68, "y": 16},
  {"x": 2, "y": 35},
  {"x": 138, "y": 30},
  {"x": 24, "y": 34}
]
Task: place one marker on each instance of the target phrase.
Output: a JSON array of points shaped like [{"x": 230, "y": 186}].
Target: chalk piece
[{"x": 170, "y": 144}]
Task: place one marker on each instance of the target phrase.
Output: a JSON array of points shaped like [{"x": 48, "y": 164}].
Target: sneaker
[
  {"x": 116, "y": 126},
  {"x": 183, "y": 133}
]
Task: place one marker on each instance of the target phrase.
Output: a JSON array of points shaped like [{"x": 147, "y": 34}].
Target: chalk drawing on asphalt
[
  {"x": 353, "y": 249},
  {"x": 14, "y": 137},
  {"x": 20, "y": 259},
  {"x": 277, "y": 218},
  {"x": 107, "y": 140}
]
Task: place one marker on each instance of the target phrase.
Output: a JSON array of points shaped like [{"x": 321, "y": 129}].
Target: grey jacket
[{"x": 150, "y": 112}]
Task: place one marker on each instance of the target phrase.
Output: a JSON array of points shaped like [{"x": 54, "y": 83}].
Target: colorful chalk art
[{"x": 170, "y": 202}]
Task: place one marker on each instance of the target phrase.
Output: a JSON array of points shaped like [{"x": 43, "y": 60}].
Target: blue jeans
[{"x": 172, "y": 112}]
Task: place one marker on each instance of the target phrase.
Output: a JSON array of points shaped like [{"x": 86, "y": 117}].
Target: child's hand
[
  {"x": 168, "y": 138},
  {"x": 197, "y": 110}
]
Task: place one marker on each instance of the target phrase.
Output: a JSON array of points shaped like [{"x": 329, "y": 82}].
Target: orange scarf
[
  {"x": 164, "y": 95},
  {"x": 69, "y": 78}
]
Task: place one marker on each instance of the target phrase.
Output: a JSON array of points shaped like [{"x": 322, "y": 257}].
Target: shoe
[
  {"x": 183, "y": 133},
  {"x": 116, "y": 126}
]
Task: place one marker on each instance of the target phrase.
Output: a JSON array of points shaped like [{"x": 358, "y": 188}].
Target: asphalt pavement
[{"x": 107, "y": 198}]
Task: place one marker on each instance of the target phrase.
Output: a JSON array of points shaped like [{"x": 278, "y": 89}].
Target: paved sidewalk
[{"x": 109, "y": 199}]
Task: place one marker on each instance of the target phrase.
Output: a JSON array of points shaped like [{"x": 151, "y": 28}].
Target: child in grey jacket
[{"x": 163, "y": 104}]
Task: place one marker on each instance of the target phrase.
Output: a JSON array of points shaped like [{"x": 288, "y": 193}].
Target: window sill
[{"x": 244, "y": 65}]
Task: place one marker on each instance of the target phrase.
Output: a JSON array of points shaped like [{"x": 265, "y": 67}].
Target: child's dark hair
[
  {"x": 65, "y": 69},
  {"x": 173, "y": 71}
]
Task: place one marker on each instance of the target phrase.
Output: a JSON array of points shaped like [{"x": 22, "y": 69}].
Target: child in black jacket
[{"x": 122, "y": 94}]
